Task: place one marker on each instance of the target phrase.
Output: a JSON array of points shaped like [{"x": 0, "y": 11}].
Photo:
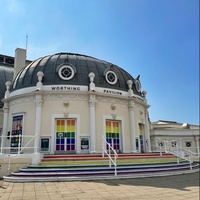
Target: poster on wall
[
  {"x": 44, "y": 144},
  {"x": 85, "y": 144},
  {"x": 16, "y": 134}
]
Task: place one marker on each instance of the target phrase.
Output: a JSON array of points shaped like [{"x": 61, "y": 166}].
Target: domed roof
[
  {"x": 6, "y": 74},
  {"x": 73, "y": 69}
]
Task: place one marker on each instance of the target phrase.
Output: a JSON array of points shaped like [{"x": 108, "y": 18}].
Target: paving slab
[{"x": 178, "y": 187}]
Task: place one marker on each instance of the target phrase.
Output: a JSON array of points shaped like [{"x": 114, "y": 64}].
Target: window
[
  {"x": 66, "y": 72},
  {"x": 113, "y": 134},
  {"x": 188, "y": 144},
  {"x": 111, "y": 77},
  {"x": 173, "y": 144},
  {"x": 137, "y": 85},
  {"x": 65, "y": 135}
]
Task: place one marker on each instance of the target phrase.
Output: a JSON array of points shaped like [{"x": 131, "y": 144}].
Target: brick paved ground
[{"x": 180, "y": 187}]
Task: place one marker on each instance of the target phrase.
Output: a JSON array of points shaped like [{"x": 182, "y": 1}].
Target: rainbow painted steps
[{"x": 94, "y": 167}]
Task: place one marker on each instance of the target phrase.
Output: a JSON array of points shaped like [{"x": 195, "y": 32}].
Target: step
[
  {"x": 93, "y": 164},
  {"x": 95, "y": 156},
  {"x": 101, "y": 168},
  {"x": 122, "y": 158},
  {"x": 107, "y": 173},
  {"x": 94, "y": 167}
]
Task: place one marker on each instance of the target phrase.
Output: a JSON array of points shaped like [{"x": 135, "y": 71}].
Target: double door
[
  {"x": 66, "y": 135},
  {"x": 113, "y": 135}
]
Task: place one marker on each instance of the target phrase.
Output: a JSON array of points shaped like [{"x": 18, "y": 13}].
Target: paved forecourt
[{"x": 178, "y": 187}]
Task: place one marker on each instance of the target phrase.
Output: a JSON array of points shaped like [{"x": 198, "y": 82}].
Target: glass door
[
  {"x": 65, "y": 135},
  {"x": 113, "y": 134}
]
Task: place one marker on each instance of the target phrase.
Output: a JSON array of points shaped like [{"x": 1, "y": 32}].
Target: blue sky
[{"x": 158, "y": 39}]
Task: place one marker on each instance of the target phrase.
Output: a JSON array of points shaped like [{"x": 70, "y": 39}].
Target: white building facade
[{"x": 66, "y": 102}]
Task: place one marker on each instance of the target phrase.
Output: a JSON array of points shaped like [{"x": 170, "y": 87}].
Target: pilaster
[
  {"x": 92, "y": 102},
  {"x": 132, "y": 125}
]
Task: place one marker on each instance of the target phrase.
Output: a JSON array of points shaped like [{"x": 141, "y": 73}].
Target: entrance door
[
  {"x": 65, "y": 135},
  {"x": 113, "y": 134}
]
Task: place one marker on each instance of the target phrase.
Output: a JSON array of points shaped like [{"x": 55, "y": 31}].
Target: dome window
[
  {"x": 137, "y": 85},
  {"x": 111, "y": 77},
  {"x": 66, "y": 72}
]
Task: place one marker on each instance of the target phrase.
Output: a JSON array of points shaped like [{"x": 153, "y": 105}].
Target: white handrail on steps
[
  {"x": 169, "y": 147},
  {"x": 19, "y": 149},
  {"x": 109, "y": 154}
]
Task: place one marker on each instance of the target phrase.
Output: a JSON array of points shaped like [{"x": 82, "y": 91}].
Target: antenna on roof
[{"x": 26, "y": 43}]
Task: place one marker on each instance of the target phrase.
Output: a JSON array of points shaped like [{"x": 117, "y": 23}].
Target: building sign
[
  {"x": 112, "y": 92},
  {"x": 66, "y": 88},
  {"x": 85, "y": 141},
  {"x": 16, "y": 134},
  {"x": 44, "y": 144}
]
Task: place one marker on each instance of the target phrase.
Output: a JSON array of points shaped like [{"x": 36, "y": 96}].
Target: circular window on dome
[
  {"x": 66, "y": 72},
  {"x": 137, "y": 85},
  {"x": 111, "y": 77}
]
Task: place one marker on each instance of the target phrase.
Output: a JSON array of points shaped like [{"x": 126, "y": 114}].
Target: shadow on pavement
[{"x": 179, "y": 182}]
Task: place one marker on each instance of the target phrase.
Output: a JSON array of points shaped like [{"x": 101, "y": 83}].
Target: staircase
[{"x": 94, "y": 167}]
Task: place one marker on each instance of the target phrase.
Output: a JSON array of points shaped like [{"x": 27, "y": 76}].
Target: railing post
[
  {"x": 102, "y": 147},
  {"x": 115, "y": 166},
  {"x": 177, "y": 158},
  {"x": 19, "y": 143},
  {"x": 108, "y": 153},
  {"x": 109, "y": 157},
  {"x": 190, "y": 165}
]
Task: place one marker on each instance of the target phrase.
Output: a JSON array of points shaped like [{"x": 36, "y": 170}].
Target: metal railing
[
  {"x": 108, "y": 152},
  {"x": 19, "y": 148},
  {"x": 171, "y": 146},
  {"x": 14, "y": 152}
]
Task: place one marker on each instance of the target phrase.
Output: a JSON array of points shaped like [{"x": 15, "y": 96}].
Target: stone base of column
[
  {"x": 135, "y": 151},
  {"x": 93, "y": 152},
  {"x": 36, "y": 158}
]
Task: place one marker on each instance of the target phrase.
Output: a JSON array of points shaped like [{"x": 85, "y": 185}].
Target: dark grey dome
[
  {"x": 79, "y": 67},
  {"x": 6, "y": 74}
]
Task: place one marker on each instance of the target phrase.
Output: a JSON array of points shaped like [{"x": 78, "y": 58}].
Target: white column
[
  {"x": 92, "y": 102},
  {"x": 147, "y": 131},
  {"x": 132, "y": 125},
  {"x": 5, "y": 122},
  {"x": 38, "y": 117}
]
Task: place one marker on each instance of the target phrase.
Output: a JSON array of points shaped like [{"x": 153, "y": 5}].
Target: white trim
[
  {"x": 51, "y": 88},
  {"x": 77, "y": 136},
  {"x": 74, "y": 89}
]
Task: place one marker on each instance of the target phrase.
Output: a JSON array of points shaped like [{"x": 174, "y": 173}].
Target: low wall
[{"x": 12, "y": 163}]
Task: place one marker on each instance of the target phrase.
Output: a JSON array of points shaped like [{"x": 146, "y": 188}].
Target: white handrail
[
  {"x": 19, "y": 148},
  {"x": 110, "y": 148},
  {"x": 176, "y": 150}
]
